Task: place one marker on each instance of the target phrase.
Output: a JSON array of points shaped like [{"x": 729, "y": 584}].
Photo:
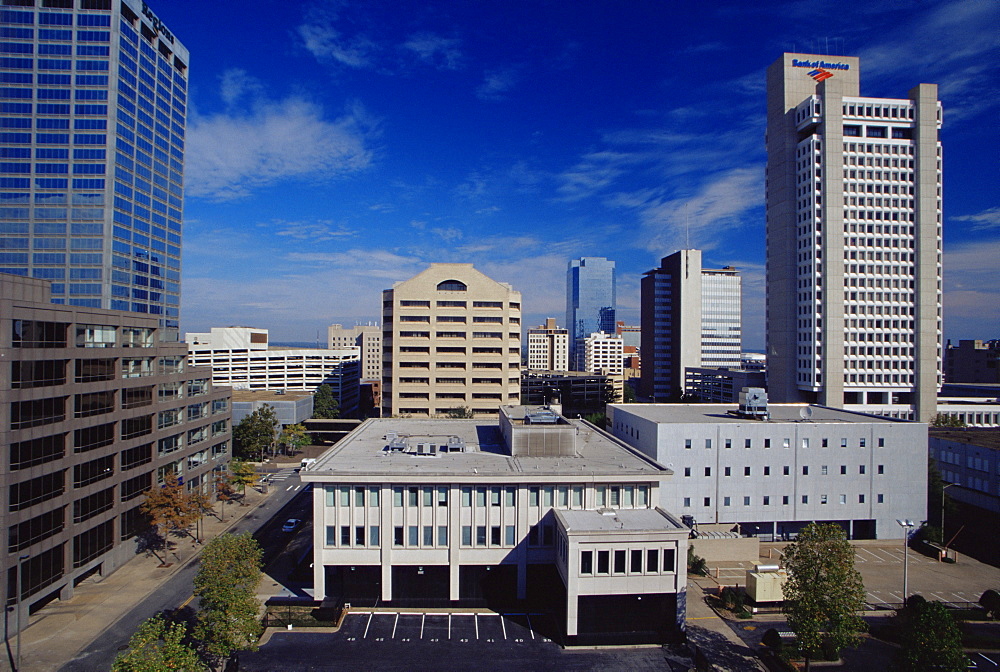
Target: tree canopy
[
  {"x": 929, "y": 639},
  {"x": 226, "y": 585},
  {"x": 157, "y": 646},
  {"x": 169, "y": 507},
  {"x": 293, "y": 437},
  {"x": 255, "y": 434},
  {"x": 242, "y": 474},
  {"x": 824, "y": 592},
  {"x": 325, "y": 405}
]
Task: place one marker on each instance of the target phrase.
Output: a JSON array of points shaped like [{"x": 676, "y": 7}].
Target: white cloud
[
  {"x": 312, "y": 231},
  {"x": 237, "y": 83},
  {"x": 230, "y": 155},
  {"x": 972, "y": 290},
  {"x": 441, "y": 52},
  {"x": 982, "y": 221},
  {"x": 496, "y": 84},
  {"x": 448, "y": 234},
  {"x": 330, "y": 46}
]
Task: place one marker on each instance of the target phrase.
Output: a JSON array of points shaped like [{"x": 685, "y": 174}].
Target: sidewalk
[
  {"x": 712, "y": 635},
  {"x": 62, "y": 629}
]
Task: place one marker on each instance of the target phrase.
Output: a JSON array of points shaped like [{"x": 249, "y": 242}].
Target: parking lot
[{"x": 476, "y": 627}]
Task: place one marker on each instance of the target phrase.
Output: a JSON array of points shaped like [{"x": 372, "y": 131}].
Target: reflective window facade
[
  {"x": 93, "y": 108},
  {"x": 590, "y": 303}
]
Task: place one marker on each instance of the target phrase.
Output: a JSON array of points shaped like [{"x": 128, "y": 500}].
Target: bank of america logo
[{"x": 819, "y": 74}]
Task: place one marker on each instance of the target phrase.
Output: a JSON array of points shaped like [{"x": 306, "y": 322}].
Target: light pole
[
  {"x": 20, "y": 625},
  {"x": 942, "y": 510},
  {"x": 907, "y": 525}
]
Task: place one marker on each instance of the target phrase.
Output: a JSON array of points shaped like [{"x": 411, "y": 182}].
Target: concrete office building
[
  {"x": 972, "y": 362},
  {"x": 527, "y": 511},
  {"x": 290, "y": 408},
  {"x": 968, "y": 459},
  {"x": 807, "y": 463},
  {"x": 853, "y": 240},
  {"x": 368, "y": 337},
  {"x": 720, "y": 386},
  {"x": 548, "y": 347},
  {"x": 94, "y": 410},
  {"x": 591, "y": 302},
  {"x": 604, "y": 354},
  {"x": 690, "y": 318},
  {"x": 451, "y": 339},
  {"x": 94, "y": 111},
  {"x": 240, "y": 357}
]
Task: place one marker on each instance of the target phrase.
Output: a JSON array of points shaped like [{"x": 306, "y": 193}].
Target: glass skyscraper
[
  {"x": 93, "y": 104},
  {"x": 590, "y": 303}
]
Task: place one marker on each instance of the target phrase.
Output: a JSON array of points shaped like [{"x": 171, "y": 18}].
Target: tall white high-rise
[
  {"x": 721, "y": 319},
  {"x": 94, "y": 109},
  {"x": 853, "y": 240}
]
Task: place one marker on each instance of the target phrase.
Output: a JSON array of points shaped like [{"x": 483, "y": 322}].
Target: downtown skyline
[{"x": 365, "y": 141}]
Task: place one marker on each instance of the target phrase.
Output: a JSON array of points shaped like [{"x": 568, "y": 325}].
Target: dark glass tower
[
  {"x": 93, "y": 104},
  {"x": 590, "y": 302}
]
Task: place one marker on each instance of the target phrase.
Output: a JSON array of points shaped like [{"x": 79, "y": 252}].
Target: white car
[{"x": 291, "y": 525}]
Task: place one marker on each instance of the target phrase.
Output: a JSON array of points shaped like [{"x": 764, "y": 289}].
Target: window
[
  {"x": 843, "y": 469},
  {"x": 880, "y": 499},
  {"x": 687, "y": 471},
  {"x": 495, "y": 535},
  {"x": 481, "y": 497},
  {"x": 442, "y": 498},
  {"x": 747, "y": 443},
  {"x": 509, "y": 537},
  {"x": 413, "y": 494},
  {"x": 467, "y": 535},
  {"x": 428, "y": 496},
  {"x": 861, "y": 469},
  {"x": 726, "y": 501},
  {"x": 359, "y": 496},
  {"x": 708, "y": 471},
  {"x": 881, "y": 469},
  {"x": 397, "y": 535},
  {"x": 861, "y": 499},
  {"x": 784, "y": 500},
  {"x": 687, "y": 444},
  {"x": 442, "y": 535},
  {"x": 413, "y": 535},
  {"x": 785, "y": 470},
  {"x": 586, "y": 562},
  {"x": 494, "y": 496},
  {"x": 397, "y": 498},
  {"x": 480, "y": 535},
  {"x": 823, "y": 470},
  {"x": 687, "y": 502},
  {"x": 746, "y": 501},
  {"x": 466, "y": 497},
  {"x": 373, "y": 535},
  {"x": 619, "y": 567},
  {"x": 345, "y": 496},
  {"x": 428, "y": 535},
  {"x": 635, "y": 564},
  {"x": 652, "y": 561},
  {"x": 746, "y": 471},
  {"x": 708, "y": 443},
  {"x": 669, "y": 559},
  {"x": 727, "y": 471},
  {"x": 708, "y": 501},
  {"x": 805, "y": 470},
  {"x": 805, "y": 499},
  {"x": 509, "y": 497},
  {"x": 767, "y": 443},
  {"x": 603, "y": 562}
]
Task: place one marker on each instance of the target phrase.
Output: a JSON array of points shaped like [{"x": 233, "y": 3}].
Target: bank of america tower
[{"x": 93, "y": 102}]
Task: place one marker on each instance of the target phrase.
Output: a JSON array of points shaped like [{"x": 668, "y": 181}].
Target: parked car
[{"x": 291, "y": 525}]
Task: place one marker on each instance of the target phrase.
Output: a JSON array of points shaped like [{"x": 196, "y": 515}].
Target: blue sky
[{"x": 337, "y": 147}]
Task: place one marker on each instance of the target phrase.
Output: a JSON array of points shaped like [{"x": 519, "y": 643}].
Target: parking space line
[
  {"x": 941, "y": 597},
  {"x": 859, "y": 558},
  {"x": 877, "y": 597},
  {"x": 530, "y": 629},
  {"x": 394, "y": 623},
  {"x": 289, "y": 488},
  {"x": 503, "y": 626},
  {"x": 423, "y": 617},
  {"x": 877, "y": 558},
  {"x": 476, "y": 616},
  {"x": 449, "y": 626},
  {"x": 370, "y": 617}
]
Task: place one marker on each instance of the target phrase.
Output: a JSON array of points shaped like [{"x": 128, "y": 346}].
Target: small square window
[
  {"x": 785, "y": 470},
  {"x": 805, "y": 470},
  {"x": 708, "y": 501},
  {"x": 843, "y": 469},
  {"x": 746, "y": 471},
  {"x": 708, "y": 471},
  {"x": 586, "y": 562},
  {"x": 861, "y": 468},
  {"x": 862, "y": 443},
  {"x": 767, "y": 471},
  {"x": 708, "y": 443},
  {"x": 784, "y": 500},
  {"x": 824, "y": 470},
  {"x": 746, "y": 501},
  {"x": 805, "y": 499},
  {"x": 727, "y": 471},
  {"x": 767, "y": 500},
  {"x": 861, "y": 499},
  {"x": 726, "y": 501},
  {"x": 822, "y": 499},
  {"x": 881, "y": 469},
  {"x": 603, "y": 562},
  {"x": 652, "y": 561},
  {"x": 687, "y": 502},
  {"x": 747, "y": 443},
  {"x": 687, "y": 471},
  {"x": 767, "y": 443},
  {"x": 880, "y": 499},
  {"x": 635, "y": 564},
  {"x": 826, "y": 443},
  {"x": 687, "y": 444},
  {"x": 843, "y": 499}
]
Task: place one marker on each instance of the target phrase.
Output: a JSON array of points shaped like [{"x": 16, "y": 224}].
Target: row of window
[
  {"x": 548, "y": 496},
  {"x": 635, "y": 561},
  {"x": 785, "y": 499},
  {"x": 785, "y": 443},
  {"x": 786, "y": 470}
]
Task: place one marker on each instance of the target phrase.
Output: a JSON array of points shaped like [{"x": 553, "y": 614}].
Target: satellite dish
[{"x": 806, "y": 413}]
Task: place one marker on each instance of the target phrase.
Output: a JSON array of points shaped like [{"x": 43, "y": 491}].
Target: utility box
[{"x": 766, "y": 584}]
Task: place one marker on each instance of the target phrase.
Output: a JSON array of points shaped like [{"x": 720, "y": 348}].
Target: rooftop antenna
[{"x": 687, "y": 226}]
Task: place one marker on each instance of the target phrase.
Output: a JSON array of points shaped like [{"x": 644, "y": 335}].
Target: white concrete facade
[
  {"x": 853, "y": 239},
  {"x": 774, "y": 477},
  {"x": 548, "y": 347},
  {"x": 368, "y": 337}
]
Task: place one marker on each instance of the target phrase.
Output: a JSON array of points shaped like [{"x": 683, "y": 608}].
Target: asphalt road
[{"x": 285, "y": 501}]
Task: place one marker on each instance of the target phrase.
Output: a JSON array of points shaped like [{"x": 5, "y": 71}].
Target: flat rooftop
[
  {"x": 269, "y": 395},
  {"x": 365, "y": 452},
  {"x": 704, "y": 413},
  {"x": 974, "y": 436},
  {"x": 629, "y": 520}
]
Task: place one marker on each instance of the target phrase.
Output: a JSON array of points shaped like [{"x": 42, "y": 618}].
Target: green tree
[
  {"x": 629, "y": 394},
  {"x": 226, "y": 585},
  {"x": 255, "y": 434},
  {"x": 929, "y": 639},
  {"x": 460, "y": 412},
  {"x": 242, "y": 474},
  {"x": 293, "y": 437},
  {"x": 170, "y": 508},
  {"x": 325, "y": 404},
  {"x": 944, "y": 420},
  {"x": 157, "y": 646},
  {"x": 224, "y": 492},
  {"x": 824, "y": 592}
]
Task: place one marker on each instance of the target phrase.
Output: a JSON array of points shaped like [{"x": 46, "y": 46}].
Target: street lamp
[
  {"x": 907, "y": 525},
  {"x": 942, "y": 510},
  {"x": 20, "y": 588}
]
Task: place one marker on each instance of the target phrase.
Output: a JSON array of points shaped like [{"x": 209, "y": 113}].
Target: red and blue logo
[{"x": 819, "y": 74}]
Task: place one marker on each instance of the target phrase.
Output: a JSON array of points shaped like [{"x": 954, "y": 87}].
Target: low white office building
[
  {"x": 773, "y": 477},
  {"x": 527, "y": 511}
]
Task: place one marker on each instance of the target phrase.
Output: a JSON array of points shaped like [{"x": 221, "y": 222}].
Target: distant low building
[
  {"x": 970, "y": 460},
  {"x": 578, "y": 393},
  {"x": 241, "y": 358},
  {"x": 720, "y": 386},
  {"x": 603, "y": 354},
  {"x": 290, "y": 407},
  {"x": 972, "y": 362},
  {"x": 548, "y": 347},
  {"x": 368, "y": 337}
]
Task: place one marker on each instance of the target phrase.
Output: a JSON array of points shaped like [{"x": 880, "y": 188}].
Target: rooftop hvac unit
[
  {"x": 753, "y": 402},
  {"x": 456, "y": 444},
  {"x": 397, "y": 443}
]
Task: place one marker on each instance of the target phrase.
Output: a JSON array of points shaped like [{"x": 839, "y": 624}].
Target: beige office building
[
  {"x": 451, "y": 340},
  {"x": 368, "y": 337},
  {"x": 548, "y": 347},
  {"x": 853, "y": 240}
]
